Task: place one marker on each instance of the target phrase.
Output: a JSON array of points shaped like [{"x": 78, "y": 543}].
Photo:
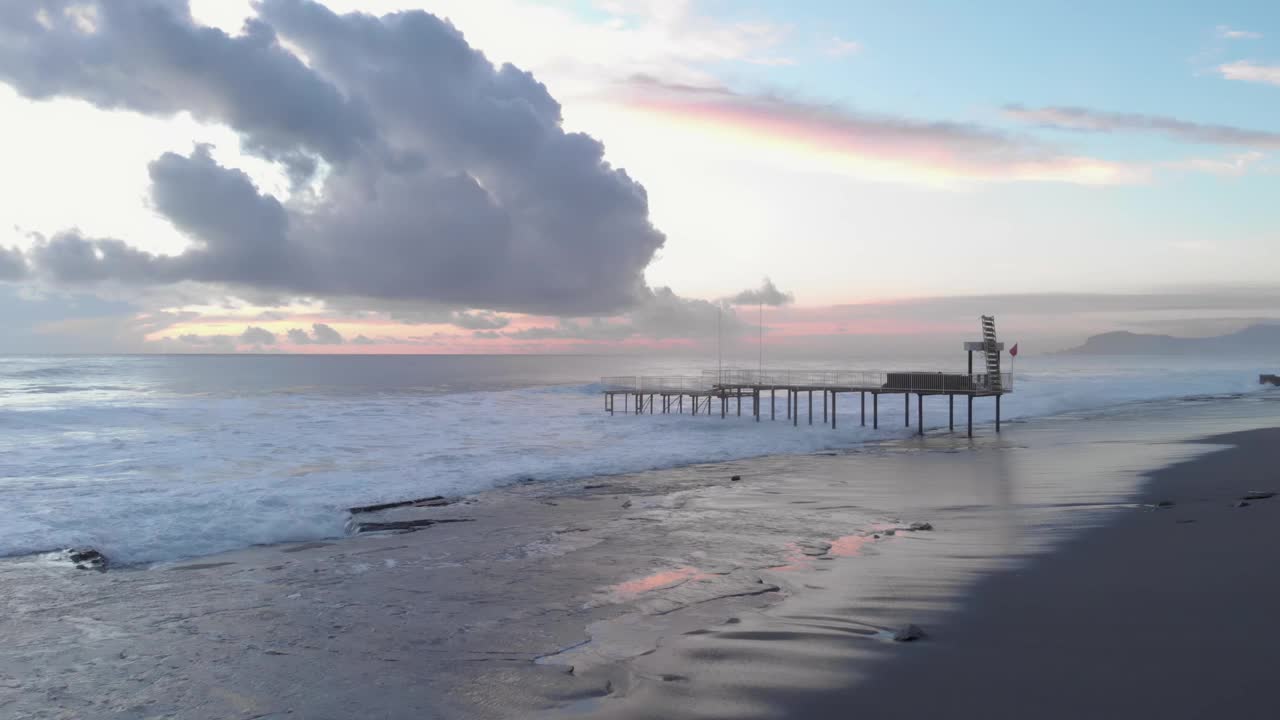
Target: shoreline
[
  {"x": 611, "y": 577},
  {"x": 1164, "y": 613},
  {"x": 156, "y": 525}
]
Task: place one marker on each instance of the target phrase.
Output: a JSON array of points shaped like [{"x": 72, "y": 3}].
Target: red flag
[{"x": 1014, "y": 350}]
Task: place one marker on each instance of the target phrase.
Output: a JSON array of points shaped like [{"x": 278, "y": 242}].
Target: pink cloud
[
  {"x": 1247, "y": 71},
  {"x": 872, "y": 145}
]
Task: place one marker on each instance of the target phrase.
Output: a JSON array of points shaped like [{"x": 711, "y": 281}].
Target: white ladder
[{"x": 992, "y": 351}]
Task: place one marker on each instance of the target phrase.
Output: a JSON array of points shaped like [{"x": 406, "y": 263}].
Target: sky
[{"x": 629, "y": 175}]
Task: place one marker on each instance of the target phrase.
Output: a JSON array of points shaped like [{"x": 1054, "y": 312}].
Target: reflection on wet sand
[
  {"x": 665, "y": 579},
  {"x": 996, "y": 503}
]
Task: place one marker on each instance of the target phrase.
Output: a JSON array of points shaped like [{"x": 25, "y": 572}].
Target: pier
[{"x": 762, "y": 388}]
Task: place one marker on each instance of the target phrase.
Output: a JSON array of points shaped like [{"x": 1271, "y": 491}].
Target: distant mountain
[{"x": 1253, "y": 340}]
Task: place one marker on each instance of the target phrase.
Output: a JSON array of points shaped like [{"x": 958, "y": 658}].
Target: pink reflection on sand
[
  {"x": 849, "y": 545},
  {"x": 795, "y": 559},
  {"x": 657, "y": 581}
]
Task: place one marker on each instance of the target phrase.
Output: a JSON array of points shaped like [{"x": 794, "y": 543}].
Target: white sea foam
[{"x": 170, "y": 469}]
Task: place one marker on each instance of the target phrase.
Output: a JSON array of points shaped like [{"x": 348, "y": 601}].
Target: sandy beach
[
  {"x": 1049, "y": 580},
  {"x": 1168, "y": 613}
]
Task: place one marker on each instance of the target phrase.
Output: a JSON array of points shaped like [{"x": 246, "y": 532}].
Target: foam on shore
[{"x": 112, "y": 453}]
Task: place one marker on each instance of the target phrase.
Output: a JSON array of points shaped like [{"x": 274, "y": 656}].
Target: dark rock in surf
[
  {"x": 1164, "y": 504},
  {"x": 433, "y": 501},
  {"x": 1258, "y": 495},
  {"x": 735, "y": 478},
  {"x": 405, "y": 525},
  {"x": 920, "y": 526},
  {"x": 910, "y": 633},
  {"x": 1240, "y": 504},
  {"x": 87, "y": 559}
]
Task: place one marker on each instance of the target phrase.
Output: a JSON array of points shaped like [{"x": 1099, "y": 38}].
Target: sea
[{"x": 153, "y": 458}]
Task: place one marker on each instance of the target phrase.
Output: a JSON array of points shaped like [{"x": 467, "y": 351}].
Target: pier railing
[
  {"x": 657, "y": 384},
  {"x": 672, "y": 384},
  {"x": 851, "y": 380},
  {"x": 898, "y": 381},
  {"x": 620, "y": 383}
]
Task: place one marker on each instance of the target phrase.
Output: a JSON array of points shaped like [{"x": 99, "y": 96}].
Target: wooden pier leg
[
  {"x": 811, "y": 407},
  {"x": 833, "y": 409},
  {"x": 920, "y": 412},
  {"x": 650, "y": 403},
  {"x": 681, "y": 402},
  {"x": 795, "y": 409},
  {"x": 864, "y": 407},
  {"x": 997, "y": 413},
  {"x": 724, "y": 404},
  {"x": 970, "y": 415},
  {"x": 755, "y": 403},
  {"x": 788, "y": 391},
  {"x": 773, "y": 403},
  {"x": 951, "y": 412},
  {"x": 739, "y": 402},
  {"x": 875, "y": 411},
  {"x": 906, "y": 409},
  {"x": 824, "y": 407}
]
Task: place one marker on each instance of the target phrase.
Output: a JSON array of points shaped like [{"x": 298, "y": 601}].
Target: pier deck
[{"x": 641, "y": 393}]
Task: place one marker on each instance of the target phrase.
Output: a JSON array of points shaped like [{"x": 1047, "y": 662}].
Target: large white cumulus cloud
[{"x": 446, "y": 179}]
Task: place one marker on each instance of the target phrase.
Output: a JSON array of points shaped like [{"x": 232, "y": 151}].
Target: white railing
[
  {"x": 655, "y": 383},
  {"x": 620, "y": 383},
  {"x": 672, "y": 384},
  {"x": 878, "y": 379},
  {"x": 890, "y": 381}
]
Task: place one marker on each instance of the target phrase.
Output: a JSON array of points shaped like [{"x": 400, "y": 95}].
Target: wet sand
[
  {"x": 1161, "y": 610},
  {"x": 685, "y": 593},
  {"x": 1170, "y": 613}
]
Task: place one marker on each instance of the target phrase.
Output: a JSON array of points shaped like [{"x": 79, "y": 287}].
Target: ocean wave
[{"x": 161, "y": 473}]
